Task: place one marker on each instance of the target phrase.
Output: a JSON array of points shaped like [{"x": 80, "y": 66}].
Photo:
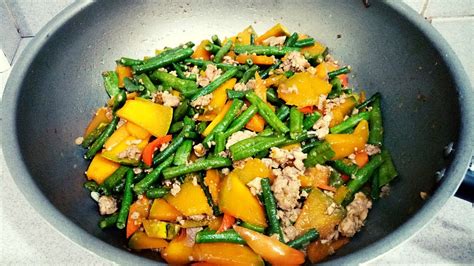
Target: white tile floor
[{"x": 27, "y": 239}]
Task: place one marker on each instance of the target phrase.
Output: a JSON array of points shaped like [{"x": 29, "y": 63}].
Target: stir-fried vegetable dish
[{"x": 247, "y": 149}]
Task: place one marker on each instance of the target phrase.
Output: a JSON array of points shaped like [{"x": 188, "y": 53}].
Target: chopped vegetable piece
[
  {"x": 315, "y": 215},
  {"x": 247, "y": 208},
  {"x": 181, "y": 202},
  {"x": 163, "y": 211},
  {"x": 269, "y": 248},
  {"x": 140, "y": 240},
  {"x": 155, "y": 118},
  {"x": 226, "y": 254}
]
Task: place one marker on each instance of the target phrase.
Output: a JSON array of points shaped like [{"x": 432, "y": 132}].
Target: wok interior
[{"x": 64, "y": 87}]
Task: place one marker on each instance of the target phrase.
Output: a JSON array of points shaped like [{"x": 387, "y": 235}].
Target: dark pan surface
[{"x": 55, "y": 87}]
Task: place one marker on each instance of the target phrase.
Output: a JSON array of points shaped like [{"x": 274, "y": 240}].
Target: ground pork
[
  {"x": 287, "y": 219},
  {"x": 275, "y": 41},
  {"x": 372, "y": 149},
  {"x": 229, "y": 60},
  {"x": 202, "y": 100},
  {"x": 294, "y": 61},
  {"x": 199, "y": 150},
  {"x": 165, "y": 98},
  {"x": 284, "y": 157},
  {"x": 255, "y": 186},
  {"x": 175, "y": 188},
  {"x": 132, "y": 152},
  {"x": 107, "y": 205},
  {"x": 238, "y": 136},
  {"x": 357, "y": 212},
  {"x": 286, "y": 187},
  {"x": 321, "y": 126},
  {"x": 211, "y": 73}
]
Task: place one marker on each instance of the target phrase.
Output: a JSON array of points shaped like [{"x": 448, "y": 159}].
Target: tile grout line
[
  {"x": 14, "y": 58},
  {"x": 424, "y": 8},
  {"x": 452, "y": 17}
]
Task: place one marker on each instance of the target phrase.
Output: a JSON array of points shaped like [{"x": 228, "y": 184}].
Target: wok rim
[{"x": 25, "y": 182}]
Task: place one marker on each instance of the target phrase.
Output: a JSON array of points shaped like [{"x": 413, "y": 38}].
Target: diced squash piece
[
  {"x": 340, "y": 194},
  {"x": 194, "y": 223},
  {"x": 215, "y": 223},
  {"x": 153, "y": 117},
  {"x": 118, "y": 136},
  {"x": 217, "y": 119},
  {"x": 159, "y": 229},
  {"x": 253, "y": 168},
  {"x": 163, "y": 211},
  {"x": 226, "y": 254},
  {"x": 275, "y": 31},
  {"x": 256, "y": 123},
  {"x": 212, "y": 181},
  {"x": 291, "y": 147},
  {"x": 308, "y": 89},
  {"x": 116, "y": 154},
  {"x": 345, "y": 144},
  {"x": 100, "y": 116},
  {"x": 319, "y": 177},
  {"x": 314, "y": 214},
  {"x": 190, "y": 200},
  {"x": 260, "y": 88},
  {"x": 140, "y": 240},
  {"x": 314, "y": 50},
  {"x": 219, "y": 96},
  {"x": 275, "y": 80},
  {"x": 247, "y": 207},
  {"x": 256, "y": 59},
  {"x": 123, "y": 72},
  {"x": 340, "y": 111},
  {"x": 100, "y": 168},
  {"x": 201, "y": 52},
  {"x": 179, "y": 250},
  {"x": 231, "y": 54},
  {"x": 243, "y": 37},
  {"x": 306, "y": 181},
  {"x": 137, "y": 131},
  {"x": 317, "y": 251}
]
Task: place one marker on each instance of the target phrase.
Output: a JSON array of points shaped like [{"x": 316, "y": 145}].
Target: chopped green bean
[
  {"x": 267, "y": 113},
  {"x": 263, "y": 50},
  {"x": 162, "y": 60},
  {"x": 308, "y": 237},
  {"x": 271, "y": 209},
  {"x": 93, "y": 135},
  {"x": 223, "y": 51},
  {"x": 111, "y": 83},
  {"x": 199, "y": 165},
  {"x": 350, "y": 122},
  {"x": 108, "y": 221},
  {"x": 126, "y": 201},
  {"x": 320, "y": 154},
  {"x": 215, "y": 83},
  {"x": 340, "y": 71},
  {"x": 99, "y": 142},
  {"x": 182, "y": 153},
  {"x": 152, "y": 177},
  {"x": 376, "y": 124},
  {"x": 187, "y": 87},
  {"x": 228, "y": 236},
  {"x": 156, "y": 193},
  {"x": 296, "y": 122},
  {"x": 304, "y": 42}
]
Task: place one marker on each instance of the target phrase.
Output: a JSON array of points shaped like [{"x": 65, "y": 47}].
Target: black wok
[{"x": 55, "y": 86}]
